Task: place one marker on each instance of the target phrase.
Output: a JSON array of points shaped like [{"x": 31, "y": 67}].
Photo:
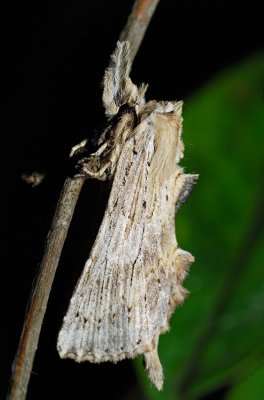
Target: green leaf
[
  {"x": 250, "y": 388},
  {"x": 220, "y": 326}
]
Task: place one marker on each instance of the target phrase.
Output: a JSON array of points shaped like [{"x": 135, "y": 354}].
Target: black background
[{"x": 55, "y": 55}]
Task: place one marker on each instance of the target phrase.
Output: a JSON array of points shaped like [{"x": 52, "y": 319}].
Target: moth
[{"x": 132, "y": 280}]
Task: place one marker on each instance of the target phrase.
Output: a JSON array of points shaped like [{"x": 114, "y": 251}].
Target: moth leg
[
  {"x": 101, "y": 165},
  {"x": 78, "y": 148},
  {"x": 93, "y": 167},
  {"x": 101, "y": 149},
  {"x": 100, "y": 174}
]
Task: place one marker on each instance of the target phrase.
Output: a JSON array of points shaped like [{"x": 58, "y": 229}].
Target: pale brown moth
[{"x": 132, "y": 280}]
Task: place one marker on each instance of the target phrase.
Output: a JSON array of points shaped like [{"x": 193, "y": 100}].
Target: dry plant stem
[
  {"x": 39, "y": 298},
  {"x": 134, "y": 32},
  {"x": 137, "y": 24}
]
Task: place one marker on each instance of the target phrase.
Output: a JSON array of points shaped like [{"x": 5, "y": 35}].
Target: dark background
[{"x": 54, "y": 59}]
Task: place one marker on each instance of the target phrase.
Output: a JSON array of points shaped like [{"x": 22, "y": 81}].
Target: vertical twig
[
  {"x": 134, "y": 32},
  {"x": 23, "y": 362},
  {"x": 137, "y": 24}
]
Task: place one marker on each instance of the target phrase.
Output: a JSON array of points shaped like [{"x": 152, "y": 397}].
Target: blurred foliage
[{"x": 216, "y": 337}]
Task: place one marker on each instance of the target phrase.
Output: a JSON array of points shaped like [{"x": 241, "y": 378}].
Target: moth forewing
[{"x": 132, "y": 280}]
